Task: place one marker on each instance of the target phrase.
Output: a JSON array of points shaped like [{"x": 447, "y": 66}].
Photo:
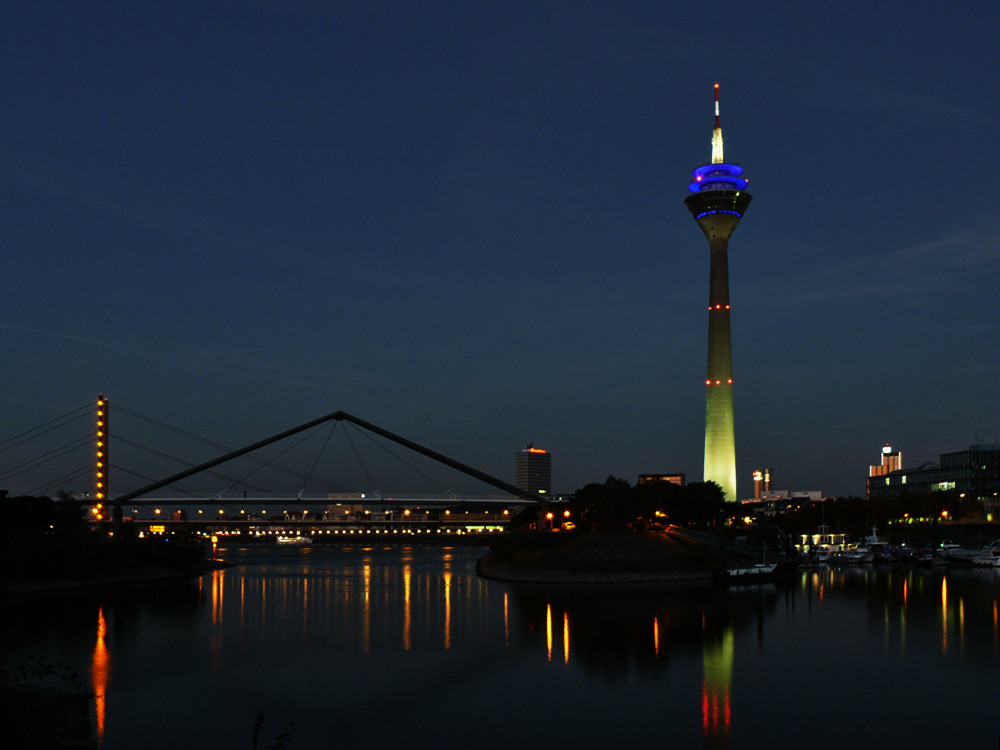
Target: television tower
[{"x": 718, "y": 200}]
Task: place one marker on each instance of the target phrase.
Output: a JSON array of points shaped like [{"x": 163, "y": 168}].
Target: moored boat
[
  {"x": 855, "y": 555},
  {"x": 760, "y": 572},
  {"x": 295, "y": 541},
  {"x": 988, "y": 556}
]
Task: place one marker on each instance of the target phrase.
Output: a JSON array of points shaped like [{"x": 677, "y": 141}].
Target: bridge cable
[
  {"x": 427, "y": 477},
  {"x": 83, "y": 471},
  {"x": 322, "y": 450},
  {"x": 45, "y": 457},
  {"x": 170, "y": 428},
  {"x": 364, "y": 467},
  {"x": 13, "y": 442},
  {"x": 266, "y": 464},
  {"x": 150, "y": 479},
  {"x": 182, "y": 462}
]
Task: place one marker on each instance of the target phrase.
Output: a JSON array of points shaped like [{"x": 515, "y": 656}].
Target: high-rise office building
[
  {"x": 533, "y": 470},
  {"x": 718, "y": 201},
  {"x": 891, "y": 461}
]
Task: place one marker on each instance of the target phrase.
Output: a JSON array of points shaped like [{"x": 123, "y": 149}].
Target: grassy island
[
  {"x": 600, "y": 557},
  {"x": 618, "y": 533}
]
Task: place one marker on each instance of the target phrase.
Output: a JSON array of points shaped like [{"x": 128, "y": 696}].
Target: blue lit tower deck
[{"x": 718, "y": 200}]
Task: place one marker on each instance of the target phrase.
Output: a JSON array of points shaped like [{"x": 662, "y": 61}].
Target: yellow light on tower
[{"x": 101, "y": 449}]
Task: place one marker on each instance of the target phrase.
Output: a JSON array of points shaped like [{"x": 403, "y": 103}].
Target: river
[{"x": 351, "y": 647}]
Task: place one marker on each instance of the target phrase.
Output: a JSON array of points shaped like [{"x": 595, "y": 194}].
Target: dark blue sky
[{"x": 465, "y": 222}]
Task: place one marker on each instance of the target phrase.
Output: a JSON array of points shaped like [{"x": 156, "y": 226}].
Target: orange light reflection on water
[
  {"x": 100, "y": 669},
  {"x": 961, "y": 626},
  {"x": 548, "y": 630},
  {"x": 407, "y": 582},
  {"x": 566, "y": 637},
  {"x": 367, "y": 608},
  {"x": 944, "y": 615},
  {"x": 447, "y": 609},
  {"x": 506, "y": 619}
]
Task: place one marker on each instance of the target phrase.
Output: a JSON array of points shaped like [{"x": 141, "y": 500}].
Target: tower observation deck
[{"x": 718, "y": 201}]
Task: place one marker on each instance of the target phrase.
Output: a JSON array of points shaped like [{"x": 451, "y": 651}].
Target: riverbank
[
  {"x": 39, "y": 717},
  {"x": 124, "y": 578}
]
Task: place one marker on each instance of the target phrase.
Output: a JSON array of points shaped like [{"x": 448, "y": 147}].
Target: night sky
[{"x": 464, "y": 222}]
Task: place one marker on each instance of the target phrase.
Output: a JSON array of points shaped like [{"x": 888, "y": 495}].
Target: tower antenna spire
[{"x": 717, "y": 157}]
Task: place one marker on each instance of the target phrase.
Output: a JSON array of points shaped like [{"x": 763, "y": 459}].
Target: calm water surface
[{"x": 396, "y": 646}]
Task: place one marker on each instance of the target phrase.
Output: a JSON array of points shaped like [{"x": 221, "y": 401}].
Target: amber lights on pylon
[{"x": 101, "y": 459}]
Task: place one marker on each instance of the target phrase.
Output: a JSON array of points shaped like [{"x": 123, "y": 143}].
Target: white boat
[
  {"x": 855, "y": 555},
  {"x": 295, "y": 541},
  {"x": 957, "y": 554},
  {"x": 986, "y": 561},
  {"x": 759, "y": 573},
  {"x": 821, "y": 556},
  {"x": 988, "y": 556},
  {"x": 880, "y": 550},
  {"x": 760, "y": 569}
]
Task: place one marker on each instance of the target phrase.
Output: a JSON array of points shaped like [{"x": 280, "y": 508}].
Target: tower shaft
[
  {"x": 717, "y": 213},
  {"x": 720, "y": 432}
]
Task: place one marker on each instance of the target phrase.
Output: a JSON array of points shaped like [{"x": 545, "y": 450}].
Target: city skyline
[{"x": 464, "y": 224}]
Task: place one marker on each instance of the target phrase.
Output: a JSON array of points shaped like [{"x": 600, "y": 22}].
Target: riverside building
[{"x": 972, "y": 474}]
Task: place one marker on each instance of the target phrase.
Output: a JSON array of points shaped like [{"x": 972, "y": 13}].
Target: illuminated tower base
[{"x": 718, "y": 200}]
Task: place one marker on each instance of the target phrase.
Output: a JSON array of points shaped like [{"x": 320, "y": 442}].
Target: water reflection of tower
[
  {"x": 716, "y": 712},
  {"x": 100, "y": 668},
  {"x": 717, "y": 202}
]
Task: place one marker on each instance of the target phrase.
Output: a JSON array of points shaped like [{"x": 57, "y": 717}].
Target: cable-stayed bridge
[{"x": 89, "y": 454}]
